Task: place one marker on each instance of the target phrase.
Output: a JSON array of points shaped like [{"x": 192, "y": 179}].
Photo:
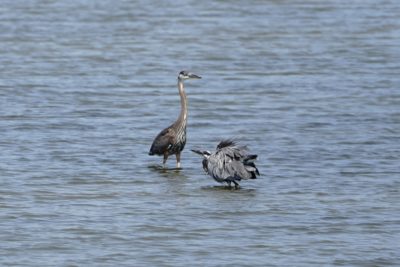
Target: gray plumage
[
  {"x": 172, "y": 140},
  {"x": 230, "y": 163}
]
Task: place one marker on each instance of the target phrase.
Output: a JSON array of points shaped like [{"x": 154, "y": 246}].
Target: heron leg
[
  {"x": 178, "y": 160},
  {"x": 236, "y": 185},
  {"x": 165, "y": 159}
]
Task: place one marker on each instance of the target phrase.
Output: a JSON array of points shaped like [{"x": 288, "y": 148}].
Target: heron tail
[
  {"x": 250, "y": 158},
  {"x": 251, "y": 166}
]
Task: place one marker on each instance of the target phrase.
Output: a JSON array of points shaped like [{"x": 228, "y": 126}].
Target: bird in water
[
  {"x": 230, "y": 163},
  {"x": 172, "y": 139}
]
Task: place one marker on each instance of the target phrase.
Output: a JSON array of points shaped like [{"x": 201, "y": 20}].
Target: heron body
[
  {"x": 230, "y": 163},
  {"x": 172, "y": 140}
]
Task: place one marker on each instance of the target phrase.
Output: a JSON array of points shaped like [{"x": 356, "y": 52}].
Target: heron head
[
  {"x": 185, "y": 75},
  {"x": 206, "y": 153}
]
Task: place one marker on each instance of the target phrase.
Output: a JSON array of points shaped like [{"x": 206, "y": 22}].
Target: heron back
[{"x": 231, "y": 162}]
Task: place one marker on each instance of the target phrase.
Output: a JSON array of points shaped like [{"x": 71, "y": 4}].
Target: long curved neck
[{"x": 183, "y": 115}]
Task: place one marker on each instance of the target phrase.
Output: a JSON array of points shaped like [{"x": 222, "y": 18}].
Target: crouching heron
[
  {"x": 172, "y": 139},
  {"x": 230, "y": 163}
]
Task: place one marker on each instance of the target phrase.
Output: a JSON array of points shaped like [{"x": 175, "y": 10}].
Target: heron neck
[{"x": 183, "y": 114}]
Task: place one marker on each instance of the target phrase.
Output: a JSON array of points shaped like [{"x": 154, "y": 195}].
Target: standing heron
[
  {"x": 172, "y": 139},
  {"x": 230, "y": 163}
]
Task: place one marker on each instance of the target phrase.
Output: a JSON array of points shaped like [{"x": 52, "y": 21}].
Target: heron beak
[
  {"x": 194, "y": 76},
  {"x": 197, "y": 152}
]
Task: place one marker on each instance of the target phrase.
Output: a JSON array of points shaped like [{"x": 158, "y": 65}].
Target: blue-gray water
[{"x": 312, "y": 87}]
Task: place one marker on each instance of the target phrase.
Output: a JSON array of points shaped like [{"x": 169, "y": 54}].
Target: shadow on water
[
  {"x": 168, "y": 172},
  {"x": 226, "y": 188},
  {"x": 161, "y": 169}
]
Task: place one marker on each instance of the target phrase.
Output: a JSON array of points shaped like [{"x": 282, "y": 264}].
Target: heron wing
[
  {"x": 229, "y": 148},
  {"x": 220, "y": 166},
  {"x": 162, "y": 142},
  {"x": 232, "y": 162}
]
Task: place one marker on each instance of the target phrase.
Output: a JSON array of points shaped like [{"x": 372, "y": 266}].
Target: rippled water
[{"x": 311, "y": 86}]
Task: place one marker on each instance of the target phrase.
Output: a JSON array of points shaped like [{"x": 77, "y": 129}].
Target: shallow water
[{"x": 311, "y": 87}]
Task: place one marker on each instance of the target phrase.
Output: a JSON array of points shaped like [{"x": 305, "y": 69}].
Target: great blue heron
[
  {"x": 230, "y": 163},
  {"x": 172, "y": 139}
]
